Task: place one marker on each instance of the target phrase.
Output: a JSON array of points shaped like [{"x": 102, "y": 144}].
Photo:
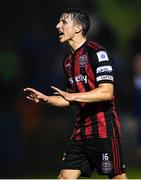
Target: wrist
[
  {"x": 74, "y": 97},
  {"x": 46, "y": 100}
]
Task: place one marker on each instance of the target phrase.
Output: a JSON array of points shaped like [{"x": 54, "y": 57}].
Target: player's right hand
[{"x": 35, "y": 95}]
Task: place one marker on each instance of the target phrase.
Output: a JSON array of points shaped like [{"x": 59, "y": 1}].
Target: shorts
[{"x": 104, "y": 155}]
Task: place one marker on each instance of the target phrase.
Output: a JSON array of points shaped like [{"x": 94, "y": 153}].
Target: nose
[{"x": 58, "y": 25}]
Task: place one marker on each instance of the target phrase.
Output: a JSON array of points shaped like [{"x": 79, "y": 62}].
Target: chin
[{"x": 62, "y": 40}]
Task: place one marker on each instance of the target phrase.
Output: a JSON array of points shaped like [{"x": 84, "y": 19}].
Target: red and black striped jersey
[{"x": 85, "y": 69}]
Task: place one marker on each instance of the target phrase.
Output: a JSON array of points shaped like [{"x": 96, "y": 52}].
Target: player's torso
[
  {"x": 95, "y": 119},
  {"x": 79, "y": 72}
]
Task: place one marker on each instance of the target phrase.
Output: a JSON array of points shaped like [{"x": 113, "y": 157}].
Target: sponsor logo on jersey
[
  {"x": 104, "y": 77},
  {"x": 102, "y": 56},
  {"x": 102, "y": 69},
  {"x": 83, "y": 60},
  {"x": 79, "y": 78}
]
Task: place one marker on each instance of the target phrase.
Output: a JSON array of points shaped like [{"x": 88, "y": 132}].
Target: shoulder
[
  {"x": 93, "y": 46},
  {"x": 96, "y": 48},
  {"x": 97, "y": 51}
]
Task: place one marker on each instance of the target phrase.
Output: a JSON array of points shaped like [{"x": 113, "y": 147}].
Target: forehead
[{"x": 66, "y": 16}]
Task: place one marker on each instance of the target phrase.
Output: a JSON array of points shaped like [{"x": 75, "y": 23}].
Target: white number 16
[{"x": 105, "y": 156}]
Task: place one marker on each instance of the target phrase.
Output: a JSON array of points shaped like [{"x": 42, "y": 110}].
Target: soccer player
[{"x": 95, "y": 142}]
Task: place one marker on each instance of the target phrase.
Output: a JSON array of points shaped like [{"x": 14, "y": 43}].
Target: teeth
[{"x": 61, "y": 33}]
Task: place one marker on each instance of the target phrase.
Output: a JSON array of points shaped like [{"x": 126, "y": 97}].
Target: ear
[{"x": 78, "y": 28}]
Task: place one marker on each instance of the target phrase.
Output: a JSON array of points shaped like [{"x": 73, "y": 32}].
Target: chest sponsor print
[{"x": 79, "y": 78}]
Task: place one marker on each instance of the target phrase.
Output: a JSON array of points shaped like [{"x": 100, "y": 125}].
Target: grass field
[{"x": 132, "y": 173}]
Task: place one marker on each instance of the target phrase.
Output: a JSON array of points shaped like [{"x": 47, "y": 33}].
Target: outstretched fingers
[
  {"x": 32, "y": 94},
  {"x": 30, "y": 90},
  {"x": 28, "y": 97},
  {"x": 32, "y": 98},
  {"x": 58, "y": 91}
]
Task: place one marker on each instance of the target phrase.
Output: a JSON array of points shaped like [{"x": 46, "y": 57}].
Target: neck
[{"x": 76, "y": 43}]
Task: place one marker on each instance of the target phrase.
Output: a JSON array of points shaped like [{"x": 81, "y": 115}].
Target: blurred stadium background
[{"x": 33, "y": 137}]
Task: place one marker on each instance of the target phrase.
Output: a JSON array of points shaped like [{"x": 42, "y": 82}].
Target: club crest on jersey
[
  {"x": 106, "y": 166},
  {"x": 102, "y": 56},
  {"x": 83, "y": 60}
]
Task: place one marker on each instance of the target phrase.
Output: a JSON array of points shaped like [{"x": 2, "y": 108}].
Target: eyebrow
[
  {"x": 64, "y": 16},
  {"x": 63, "y": 20}
]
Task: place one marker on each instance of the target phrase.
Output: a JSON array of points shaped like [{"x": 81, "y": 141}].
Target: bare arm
[
  {"x": 104, "y": 92},
  {"x": 39, "y": 97}
]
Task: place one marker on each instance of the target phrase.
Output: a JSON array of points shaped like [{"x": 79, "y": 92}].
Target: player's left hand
[{"x": 65, "y": 95}]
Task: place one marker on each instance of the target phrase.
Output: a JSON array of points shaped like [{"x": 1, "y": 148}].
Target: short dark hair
[{"x": 80, "y": 17}]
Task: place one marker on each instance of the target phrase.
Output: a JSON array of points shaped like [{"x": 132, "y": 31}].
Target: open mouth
[{"x": 60, "y": 33}]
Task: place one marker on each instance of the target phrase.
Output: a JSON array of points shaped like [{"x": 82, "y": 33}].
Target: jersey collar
[{"x": 77, "y": 50}]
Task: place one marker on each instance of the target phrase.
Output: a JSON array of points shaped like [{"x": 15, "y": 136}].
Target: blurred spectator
[
  {"x": 135, "y": 43},
  {"x": 134, "y": 57},
  {"x": 137, "y": 97}
]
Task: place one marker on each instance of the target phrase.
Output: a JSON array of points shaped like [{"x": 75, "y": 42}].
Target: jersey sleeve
[{"x": 103, "y": 68}]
